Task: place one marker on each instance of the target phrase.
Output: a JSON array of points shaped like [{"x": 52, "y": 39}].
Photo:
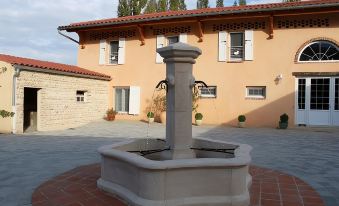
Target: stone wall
[{"x": 57, "y": 105}]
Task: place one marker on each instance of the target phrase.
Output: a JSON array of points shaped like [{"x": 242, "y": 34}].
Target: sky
[{"x": 29, "y": 27}]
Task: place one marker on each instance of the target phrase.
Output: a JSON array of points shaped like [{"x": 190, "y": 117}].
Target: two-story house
[{"x": 258, "y": 60}]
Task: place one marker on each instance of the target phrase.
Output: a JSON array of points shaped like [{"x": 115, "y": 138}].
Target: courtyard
[{"x": 30, "y": 159}]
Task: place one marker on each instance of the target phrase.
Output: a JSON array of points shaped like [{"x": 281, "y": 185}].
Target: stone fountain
[{"x": 180, "y": 170}]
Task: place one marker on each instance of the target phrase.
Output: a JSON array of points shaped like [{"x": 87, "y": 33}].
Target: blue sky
[{"x": 29, "y": 27}]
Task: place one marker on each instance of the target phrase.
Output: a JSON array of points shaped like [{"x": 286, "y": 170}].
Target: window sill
[
  {"x": 317, "y": 62},
  {"x": 255, "y": 98},
  {"x": 235, "y": 61}
]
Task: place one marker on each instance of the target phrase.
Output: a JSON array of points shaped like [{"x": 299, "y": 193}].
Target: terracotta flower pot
[
  {"x": 150, "y": 120},
  {"x": 241, "y": 124}
]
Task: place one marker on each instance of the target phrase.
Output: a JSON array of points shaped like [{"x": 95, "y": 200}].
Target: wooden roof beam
[
  {"x": 200, "y": 32},
  {"x": 141, "y": 34}
]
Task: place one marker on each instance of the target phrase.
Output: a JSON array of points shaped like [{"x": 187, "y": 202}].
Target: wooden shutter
[
  {"x": 121, "y": 51},
  {"x": 249, "y": 45},
  {"x": 160, "y": 44},
  {"x": 102, "y": 52},
  {"x": 183, "y": 38},
  {"x": 222, "y": 46},
  {"x": 134, "y": 100}
]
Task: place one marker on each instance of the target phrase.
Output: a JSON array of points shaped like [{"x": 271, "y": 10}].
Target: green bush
[
  {"x": 241, "y": 118},
  {"x": 4, "y": 114},
  {"x": 150, "y": 115},
  {"x": 284, "y": 118},
  {"x": 198, "y": 116}
]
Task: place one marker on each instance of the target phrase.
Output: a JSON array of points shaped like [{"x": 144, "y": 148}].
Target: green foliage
[
  {"x": 124, "y": 8},
  {"x": 137, "y": 6},
  {"x": 182, "y": 5},
  {"x": 151, "y": 7},
  {"x": 174, "y": 5},
  {"x": 198, "y": 116},
  {"x": 220, "y": 3},
  {"x": 242, "y": 2},
  {"x": 202, "y": 4},
  {"x": 150, "y": 115},
  {"x": 162, "y": 6},
  {"x": 284, "y": 118},
  {"x": 241, "y": 118},
  {"x": 4, "y": 114}
]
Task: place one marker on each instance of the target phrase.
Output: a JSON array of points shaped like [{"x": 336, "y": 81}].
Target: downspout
[
  {"x": 15, "y": 76},
  {"x": 68, "y": 37}
]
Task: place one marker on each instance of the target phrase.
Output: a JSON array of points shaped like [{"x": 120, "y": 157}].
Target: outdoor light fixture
[{"x": 278, "y": 78}]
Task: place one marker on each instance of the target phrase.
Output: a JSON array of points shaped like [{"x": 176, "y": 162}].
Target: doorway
[{"x": 30, "y": 109}]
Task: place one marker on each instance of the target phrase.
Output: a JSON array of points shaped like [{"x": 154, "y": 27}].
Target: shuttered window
[{"x": 114, "y": 53}]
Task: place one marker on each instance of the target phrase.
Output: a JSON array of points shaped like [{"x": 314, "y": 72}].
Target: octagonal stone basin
[{"x": 212, "y": 178}]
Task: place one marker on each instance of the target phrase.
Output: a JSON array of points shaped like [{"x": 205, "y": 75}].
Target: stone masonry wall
[{"x": 57, "y": 105}]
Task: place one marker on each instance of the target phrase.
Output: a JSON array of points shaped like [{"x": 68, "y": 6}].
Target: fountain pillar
[{"x": 179, "y": 59}]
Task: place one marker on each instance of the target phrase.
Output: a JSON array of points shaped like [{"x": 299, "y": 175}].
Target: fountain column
[{"x": 179, "y": 59}]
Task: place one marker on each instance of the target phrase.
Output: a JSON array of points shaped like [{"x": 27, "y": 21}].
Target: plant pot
[
  {"x": 151, "y": 120},
  {"x": 283, "y": 125},
  {"x": 163, "y": 117},
  {"x": 110, "y": 117},
  {"x": 241, "y": 124},
  {"x": 198, "y": 122}
]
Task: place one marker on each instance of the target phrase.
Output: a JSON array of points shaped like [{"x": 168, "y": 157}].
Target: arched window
[{"x": 319, "y": 51}]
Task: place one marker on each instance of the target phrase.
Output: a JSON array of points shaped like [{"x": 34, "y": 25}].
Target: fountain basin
[{"x": 212, "y": 178}]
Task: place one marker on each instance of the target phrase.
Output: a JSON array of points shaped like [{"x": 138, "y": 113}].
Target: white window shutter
[
  {"x": 249, "y": 45},
  {"x": 160, "y": 44},
  {"x": 134, "y": 100},
  {"x": 121, "y": 51},
  {"x": 222, "y": 46},
  {"x": 102, "y": 52},
  {"x": 183, "y": 38}
]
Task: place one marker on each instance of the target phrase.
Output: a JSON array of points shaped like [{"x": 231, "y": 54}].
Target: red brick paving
[{"x": 77, "y": 187}]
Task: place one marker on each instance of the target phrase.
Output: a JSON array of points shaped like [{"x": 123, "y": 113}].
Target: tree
[
  {"x": 174, "y": 5},
  {"x": 137, "y": 6},
  {"x": 182, "y": 5},
  {"x": 162, "y": 5},
  {"x": 235, "y": 3},
  {"x": 242, "y": 2},
  {"x": 202, "y": 4},
  {"x": 220, "y": 3},
  {"x": 151, "y": 7},
  {"x": 124, "y": 8}
]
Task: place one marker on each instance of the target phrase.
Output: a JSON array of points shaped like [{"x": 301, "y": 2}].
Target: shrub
[
  {"x": 241, "y": 118},
  {"x": 150, "y": 115},
  {"x": 4, "y": 114},
  {"x": 284, "y": 118},
  {"x": 198, "y": 116},
  {"x": 110, "y": 114}
]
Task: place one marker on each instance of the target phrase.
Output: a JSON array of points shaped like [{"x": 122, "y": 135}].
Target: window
[
  {"x": 256, "y": 92},
  {"x": 122, "y": 100},
  {"x": 320, "y": 94},
  {"x": 237, "y": 46},
  {"x": 301, "y": 93},
  {"x": 208, "y": 92},
  {"x": 172, "y": 40},
  {"x": 320, "y": 51},
  {"x": 81, "y": 96},
  {"x": 114, "y": 52}
]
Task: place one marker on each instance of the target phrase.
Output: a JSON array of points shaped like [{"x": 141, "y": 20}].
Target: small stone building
[{"x": 49, "y": 96}]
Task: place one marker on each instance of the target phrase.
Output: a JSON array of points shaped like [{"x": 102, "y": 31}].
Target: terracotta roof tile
[
  {"x": 203, "y": 12},
  {"x": 51, "y": 66}
]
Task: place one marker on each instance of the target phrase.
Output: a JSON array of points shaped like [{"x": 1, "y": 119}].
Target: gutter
[
  {"x": 15, "y": 76},
  {"x": 70, "y": 28}
]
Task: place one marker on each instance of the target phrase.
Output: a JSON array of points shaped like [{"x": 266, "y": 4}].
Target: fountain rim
[{"x": 242, "y": 157}]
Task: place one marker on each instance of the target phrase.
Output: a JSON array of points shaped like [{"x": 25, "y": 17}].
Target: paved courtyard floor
[{"x": 26, "y": 161}]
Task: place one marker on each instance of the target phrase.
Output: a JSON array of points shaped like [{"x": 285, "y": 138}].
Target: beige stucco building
[
  {"x": 49, "y": 96},
  {"x": 260, "y": 60}
]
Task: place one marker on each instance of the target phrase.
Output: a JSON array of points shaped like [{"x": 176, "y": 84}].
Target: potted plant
[
  {"x": 150, "y": 116},
  {"x": 283, "y": 123},
  {"x": 198, "y": 119},
  {"x": 241, "y": 121},
  {"x": 110, "y": 115}
]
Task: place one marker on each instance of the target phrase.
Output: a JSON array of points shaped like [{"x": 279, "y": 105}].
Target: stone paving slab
[
  {"x": 78, "y": 187},
  {"x": 27, "y": 160}
]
